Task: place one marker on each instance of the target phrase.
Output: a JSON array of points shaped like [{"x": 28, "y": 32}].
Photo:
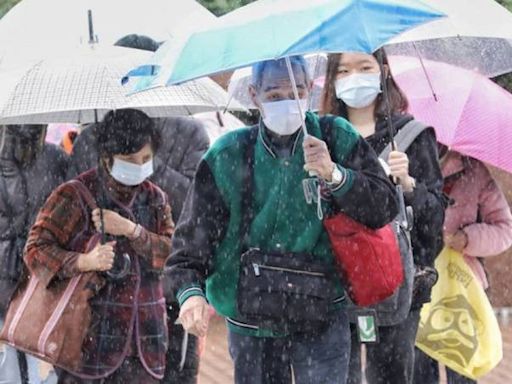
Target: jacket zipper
[{"x": 258, "y": 267}]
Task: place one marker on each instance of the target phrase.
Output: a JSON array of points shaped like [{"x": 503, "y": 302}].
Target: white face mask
[
  {"x": 283, "y": 117},
  {"x": 131, "y": 174},
  {"x": 358, "y": 90}
]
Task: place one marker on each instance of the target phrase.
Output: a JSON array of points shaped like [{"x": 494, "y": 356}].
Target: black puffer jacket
[
  {"x": 427, "y": 199},
  {"x": 183, "y": 142},
  {"x": 23, "y": 190}
]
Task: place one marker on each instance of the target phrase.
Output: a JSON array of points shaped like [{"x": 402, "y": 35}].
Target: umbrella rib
[{"x": 429, "y": 80}]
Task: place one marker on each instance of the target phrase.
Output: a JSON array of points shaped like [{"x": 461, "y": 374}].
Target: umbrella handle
[
  {"x": 127, "y": 263},
  {"x": 297, "y": 98}
]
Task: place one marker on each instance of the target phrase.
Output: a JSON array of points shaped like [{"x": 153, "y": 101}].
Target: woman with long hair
[{"x": 353, "y": 89}]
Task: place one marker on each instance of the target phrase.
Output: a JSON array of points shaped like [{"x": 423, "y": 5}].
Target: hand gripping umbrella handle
[
  {"x": 127, "y": 263},
  {"x": 297, "y": 99}
]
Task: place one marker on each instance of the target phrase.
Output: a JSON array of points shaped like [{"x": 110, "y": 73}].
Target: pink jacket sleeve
[{"x": 494, "y": 234}]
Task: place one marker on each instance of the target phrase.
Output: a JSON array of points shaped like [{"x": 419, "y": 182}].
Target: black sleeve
[
  {"x": 372, "y": 198},
  {"x": 199, "y": 231},
  {"x": 427, "y": 199},
  {"x": 57, "y": 162},
  {"x": 63, "y": 161},
  {"x": 199, "y": 144},
  {"x": 179, "y": 161}
]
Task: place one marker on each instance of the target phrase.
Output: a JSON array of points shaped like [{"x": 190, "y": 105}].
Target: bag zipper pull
[{"x": 256, "y": 269}]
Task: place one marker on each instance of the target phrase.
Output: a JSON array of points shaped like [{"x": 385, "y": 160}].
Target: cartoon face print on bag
[{"x": 453, "y": 326}]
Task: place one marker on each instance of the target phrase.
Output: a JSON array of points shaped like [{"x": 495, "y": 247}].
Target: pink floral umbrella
[{"x": 471, "y": 114}]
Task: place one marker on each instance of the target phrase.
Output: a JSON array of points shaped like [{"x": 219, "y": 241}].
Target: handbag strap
[
  {"x": 84, "y": 193},
  {"x": 247, "y": 214}
]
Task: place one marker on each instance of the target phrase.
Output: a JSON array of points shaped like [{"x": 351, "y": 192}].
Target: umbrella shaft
[
  {"x": 296, "y": 93},
  {"x": 91, "y": 27}
]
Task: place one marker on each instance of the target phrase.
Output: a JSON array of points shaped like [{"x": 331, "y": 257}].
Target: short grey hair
[{"x": 258, "y": 69}]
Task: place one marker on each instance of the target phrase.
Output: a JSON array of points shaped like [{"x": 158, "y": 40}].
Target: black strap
[
  {"x": 247, "y": 213},
  {"x": 23, "y": 366}
]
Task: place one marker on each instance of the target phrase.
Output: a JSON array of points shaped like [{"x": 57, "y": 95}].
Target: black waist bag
[{"x": 284, "y": 292}]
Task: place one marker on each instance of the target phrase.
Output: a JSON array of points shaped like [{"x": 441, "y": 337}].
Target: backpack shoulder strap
[
  {"x": 404, "y": 137},
  {"x": 84, "y": 193}
]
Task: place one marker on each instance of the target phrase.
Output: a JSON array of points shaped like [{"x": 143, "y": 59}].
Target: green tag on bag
[{"x": 367, "y": 329}]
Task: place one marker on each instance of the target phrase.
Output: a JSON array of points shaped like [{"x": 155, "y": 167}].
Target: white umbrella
[
  {"x": 83, "y": 86},
  {"x": 36, "y": 29},
  {"x": 477, "y": 35}
]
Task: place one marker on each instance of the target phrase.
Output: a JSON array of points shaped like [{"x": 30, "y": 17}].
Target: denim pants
[
  {"x": 426, "y": 371},
  {"x": 10, "y": 369},
  {"x": 319, "y": 358},
  {"x": 391, "y": 360}
]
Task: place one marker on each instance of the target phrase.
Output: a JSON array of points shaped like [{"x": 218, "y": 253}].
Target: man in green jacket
[{"x": 209, "y": 240}]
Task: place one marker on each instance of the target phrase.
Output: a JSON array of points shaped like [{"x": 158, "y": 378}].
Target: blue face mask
[{"x": 131, "y": 174}]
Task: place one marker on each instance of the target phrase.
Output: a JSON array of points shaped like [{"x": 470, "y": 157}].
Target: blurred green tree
[
  {"x": 506, "y": 3},
  {"x": 5, "y": 5},
  {"x": 220, "y": 7}
]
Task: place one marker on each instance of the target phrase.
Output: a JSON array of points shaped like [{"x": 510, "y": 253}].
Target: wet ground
[{"x": 216, "y": 367}]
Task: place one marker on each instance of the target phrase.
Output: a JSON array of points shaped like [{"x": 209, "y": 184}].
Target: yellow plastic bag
[{"x": 458, "y": 327}]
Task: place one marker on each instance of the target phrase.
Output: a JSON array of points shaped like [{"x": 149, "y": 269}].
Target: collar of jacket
[
  {"x": 453, "y": 164},
  {"x": 119, "y": 192},
  {"x": 312, "y": 125}
]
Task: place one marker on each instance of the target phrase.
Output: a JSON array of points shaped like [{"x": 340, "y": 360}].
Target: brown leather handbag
[{"x": 51, "y": 321}]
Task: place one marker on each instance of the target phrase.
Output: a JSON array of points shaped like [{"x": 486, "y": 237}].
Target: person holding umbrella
[
  {"x": 354, "y": 90},
  {"x": 127, "y": 339},
  {"x": 184, "y": 141},
  {"x": 247, "y": 202}
]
